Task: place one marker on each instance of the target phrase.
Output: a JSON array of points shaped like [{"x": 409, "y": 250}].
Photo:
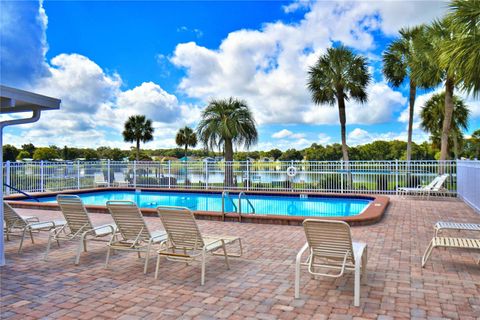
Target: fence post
[
  {"x": 134, "y": 173},
  {"x": 341, "y": 176},
  {"x": 248, "y": 175},
  {"x": 41, "y": 176},
  {"x": 206, "y": 174},
  {"x": 396, "y": 177},
  {"x": 78, "y": 174},
  {"x": 7, "y": 176},
  {"x": 108, "y": 172},
  {"x": 169, "y": 174}
]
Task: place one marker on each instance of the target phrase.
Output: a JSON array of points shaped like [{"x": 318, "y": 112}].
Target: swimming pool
[{"x": 264, "y": 204}]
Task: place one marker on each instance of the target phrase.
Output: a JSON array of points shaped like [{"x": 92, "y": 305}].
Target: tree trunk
[
  {"x": 343, "y": 120},
  {"x": 455, "y": 145},
  {"x": 186, "y": 148},
  {"x": 447, "y": 120},
  {"x": 413, "y": 91},
  {"x": 138, "y": 150},
  {"x": 228, "y": 163}
]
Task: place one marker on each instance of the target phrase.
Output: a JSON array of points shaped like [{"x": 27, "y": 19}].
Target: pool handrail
[
  {"x": 22, "y": 192},
  {"x": 226, "y": 194},
  {"x": 240, "y": 204}
]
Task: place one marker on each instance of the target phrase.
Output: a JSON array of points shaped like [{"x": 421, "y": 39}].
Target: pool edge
[{"x": 372, "y": 214}]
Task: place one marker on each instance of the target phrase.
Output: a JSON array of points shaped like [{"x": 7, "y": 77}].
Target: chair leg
[
  {"x": 79, "y": 251},
  {"x": 108, "y": 257},
  {"x": 203, "y": 268},
  {"x": 21, "y": 240},
  {"x": 157, "y": 267},
  {"x": 364, "y": 265},
  {"x": 147, "y": 257},
  {"x": 48, "y": 246},
  {"x": 297, "y": 278},
  {"x": 357, "y": 284},
  {"x": 226, "y": 255},
  {"x": 427, "y": 253},
  {"x": 31, "y": 235}
]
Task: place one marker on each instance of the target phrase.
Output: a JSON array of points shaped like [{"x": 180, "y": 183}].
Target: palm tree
[
  {"x": 186, "y": 137},
  {"x": 339, "y": 75},
  {"x": 463, "y": 50},
  {"x": 397, "y": 66},
  {"x": 432, "y": 116},
  {"x": 225, "y": 123},
  {"x": 434, "y": 64},
  {"x": 138, "y": 128}
]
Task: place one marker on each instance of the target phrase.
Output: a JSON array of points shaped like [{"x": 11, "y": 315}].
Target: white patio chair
[
  {"x": 330, "y": 247},
  {"x": 99, "y": 180},
  {"x": 79, "y": 226},
  {"x": 185, "y": 242}
]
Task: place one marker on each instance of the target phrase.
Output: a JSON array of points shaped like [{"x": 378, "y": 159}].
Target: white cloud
[
  {"x": 360, "y": 136},
  {"x": 324, "y": 139},
  {"x": 268, "y": 67},
  {"x": 284, "y": 133}
]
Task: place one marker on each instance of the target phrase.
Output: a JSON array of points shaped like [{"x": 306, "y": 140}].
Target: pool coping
[{"x": 372, "y": 214}]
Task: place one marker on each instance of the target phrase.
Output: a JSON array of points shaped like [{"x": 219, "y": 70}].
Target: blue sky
[{"x": 108, "y": 60}]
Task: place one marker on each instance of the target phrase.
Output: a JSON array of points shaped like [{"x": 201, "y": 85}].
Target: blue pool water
[{"x": 264, "y": 204}]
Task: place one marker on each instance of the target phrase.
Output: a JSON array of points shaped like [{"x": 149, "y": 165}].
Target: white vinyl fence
[
  {"x": 468, "y": 180},
  {"x": 382, "y": 177}
]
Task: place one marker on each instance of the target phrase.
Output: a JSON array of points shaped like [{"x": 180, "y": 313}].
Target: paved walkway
[{"x": 259, "y": 285}]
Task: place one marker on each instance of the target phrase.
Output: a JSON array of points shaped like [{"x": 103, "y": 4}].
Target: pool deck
[{"x": 260, "y": 284}]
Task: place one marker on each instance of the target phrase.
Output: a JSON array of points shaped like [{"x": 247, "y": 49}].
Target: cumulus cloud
[
  {"x": 23, "y": 42},
  {"x": 360, "y": 136},
  {"x": 268, "y": 67},
  {"x": 284, "y": 133}
]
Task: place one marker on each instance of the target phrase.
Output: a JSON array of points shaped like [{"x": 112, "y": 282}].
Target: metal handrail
[
  {"x": 240, "y": 205},
  {"x": 226, "y": 194},
  {"x": 22, "y": 192}
]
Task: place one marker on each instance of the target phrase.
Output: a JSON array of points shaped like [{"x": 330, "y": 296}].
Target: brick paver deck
[{"x": 259, "y": 285}]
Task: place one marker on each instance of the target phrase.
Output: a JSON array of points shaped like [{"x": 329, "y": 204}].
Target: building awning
[{"x": 16, "y": 101}]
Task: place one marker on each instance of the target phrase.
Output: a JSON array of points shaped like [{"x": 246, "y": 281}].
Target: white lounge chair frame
[
  {"x": 119, "y": 179},
  {"x": 99, "y": 179},
  {"x": 435, "y": 186},
  {"x": 185, "y": 242},
  {"x": 133, "y": 233},
  {"x": 79, "y": 226},
  {"x": 446, "y": 225},
  {"x": 447, "y": 242},
  {"x": 25, "y": 224},
  {"x": 330, "y": 247}
]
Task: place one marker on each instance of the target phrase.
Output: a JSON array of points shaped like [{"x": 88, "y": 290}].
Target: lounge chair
[
  {"x": 119, "y": 179},
  {"x": 445, "y": 225},
  {"x": 79, "y": 226},
  {"x": 25, "y": 224},
  {"x": 447, "y": 242},
  {"x": 134, "y": 234},
  {"x": 99, "y": 180},
  {"x": 330, "y": 247},
  {"x": 424, "y": 190},
  {"x": 438, "y": 188},
  {"x": 185, "y": 242}
]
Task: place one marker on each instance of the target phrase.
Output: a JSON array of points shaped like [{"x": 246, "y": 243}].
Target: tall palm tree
[
  {"x": 186, "y": 137},
  {"x": 432, "y": 68},
  {"x": 339, "y": 75},
  {"x": 463, "y": 50},
  {"x": 138, "y": 128},
  {"x": 432, "y": 117},
  {"x": 397, "y": 66},
  {"x": 225, "y": 123}
]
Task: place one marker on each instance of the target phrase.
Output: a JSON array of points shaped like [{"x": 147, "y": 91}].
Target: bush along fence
[{"x": 382, "y": 177}]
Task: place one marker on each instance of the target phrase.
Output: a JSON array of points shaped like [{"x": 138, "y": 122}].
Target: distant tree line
[{"x": 376, "y": 150}]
